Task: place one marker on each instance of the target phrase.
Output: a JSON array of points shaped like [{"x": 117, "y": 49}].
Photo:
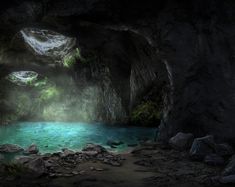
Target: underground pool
[{"x": 54, "y": 136}]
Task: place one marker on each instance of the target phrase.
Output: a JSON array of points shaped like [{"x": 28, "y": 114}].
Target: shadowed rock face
[{"x": 194, "y": 43}]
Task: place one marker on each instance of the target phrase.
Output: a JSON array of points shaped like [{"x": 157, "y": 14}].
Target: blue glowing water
[{"x": 53, "y": 136}]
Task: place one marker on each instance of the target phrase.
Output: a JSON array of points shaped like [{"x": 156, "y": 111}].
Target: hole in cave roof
[
  {"x": 48, "y": 43},
  {"x": 22, "y": 78}
]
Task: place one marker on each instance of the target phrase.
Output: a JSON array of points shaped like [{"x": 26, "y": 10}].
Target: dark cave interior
[{"x": 117, "y": 92}]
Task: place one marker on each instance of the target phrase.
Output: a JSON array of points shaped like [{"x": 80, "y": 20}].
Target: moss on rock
[
  {"x": 71, "y": 59},
  {"x": 148, "y": 113}
]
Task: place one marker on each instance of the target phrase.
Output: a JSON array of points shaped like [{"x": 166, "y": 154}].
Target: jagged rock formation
[{"x": 189, "y": 45}]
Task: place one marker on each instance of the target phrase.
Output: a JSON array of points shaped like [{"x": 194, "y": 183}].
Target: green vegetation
[
  {"x": 49, "y": 93},
  {"x": 72, "y": 58},
  {"x": 40, "y": 83},
  {"x": 147, "y": 113}
]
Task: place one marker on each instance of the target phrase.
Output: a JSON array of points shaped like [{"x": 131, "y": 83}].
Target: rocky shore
[{"x": 184, "y": 161}]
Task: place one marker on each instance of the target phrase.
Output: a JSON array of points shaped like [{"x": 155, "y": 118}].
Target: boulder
[
  {"x": 10, "y": 148},
  {"x": 92, "y": 147},
  {"x": 230, "y": 168},
  {"x": 32, "y": 149},
  {"x": 201, "y": 147},
  {"x": 214, "y": 159},
  {"x": 181, "y": 141},
  {"x": 224, "y": 150},
  {"x": 34, "y": 164}
]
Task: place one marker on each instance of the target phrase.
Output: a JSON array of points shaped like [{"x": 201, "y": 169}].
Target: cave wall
[{"x": 193, "y": 40}]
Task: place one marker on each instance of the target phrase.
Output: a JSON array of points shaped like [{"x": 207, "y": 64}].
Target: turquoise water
[{"x": 53, "y": 136}]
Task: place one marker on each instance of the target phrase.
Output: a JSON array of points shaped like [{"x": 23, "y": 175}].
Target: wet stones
[
  {"x": 10, "y": 148},
  {"x": 181, "y": 141}
]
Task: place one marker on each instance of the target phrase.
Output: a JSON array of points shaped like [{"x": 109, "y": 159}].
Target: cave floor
[{"x": 146, "y": 166}]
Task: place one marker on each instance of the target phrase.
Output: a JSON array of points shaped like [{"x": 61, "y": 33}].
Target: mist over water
[{"x": 53, "y": 136}]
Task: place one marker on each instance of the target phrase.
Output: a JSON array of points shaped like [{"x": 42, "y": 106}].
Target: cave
[{"x": 121, "y": 93}]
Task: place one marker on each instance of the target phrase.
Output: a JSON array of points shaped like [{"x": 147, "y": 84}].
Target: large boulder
[
  {"x": 34, "y": 164},
  {"x": 181, "y": 141},
  {"x": 202, "y": 147},
  {"x": 10, "y": 148},
  {"x": 37, "y": 165}
]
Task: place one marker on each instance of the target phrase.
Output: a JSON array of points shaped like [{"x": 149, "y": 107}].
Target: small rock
[
  {"x": 202, "y": 147},
  {"x": 82, "y": 172},
  {"x": 181, "y": 141},
  {"x": 115, "y": 163},
  {"x": 93, "y": 147},
  {"x": 67, "y": 152},
  {"x": 32, "y": 149},
  {"x": 230, "y": 168},
  {"x": 99, "y": 169},
  {"x": 224, "y": 149},
  {"x": 75, "y": 172},
  {"x": 10, "y": 148},
  {"x": 91, "y": 153},
  {"x": 214, "y": 159}
]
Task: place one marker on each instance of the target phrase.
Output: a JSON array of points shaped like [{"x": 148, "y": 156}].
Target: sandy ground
[{"x": 146, "y": 167}]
